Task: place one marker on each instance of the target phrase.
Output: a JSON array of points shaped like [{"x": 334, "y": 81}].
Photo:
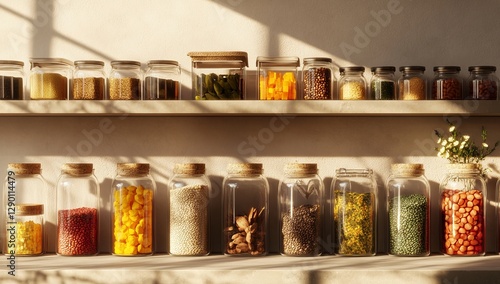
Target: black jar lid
[
  {"x": 482, "y": 68},
  {"x": 411, "y": 68},
  {"x": 309, "y": 60},
  {"x": 352, "y": 69},
  {"x": 383, "y": 69},
  {"x": 447, "y": 69}
]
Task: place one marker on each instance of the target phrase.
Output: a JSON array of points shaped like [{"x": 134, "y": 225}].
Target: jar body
[
  {"x": 25, "y": 233},
  {"x": 77, "y": 196},
  {"x": 447, "y": 84},
  {"x": 162, "y": 80},
  {"x": 50, "y": 79},
  {"x": 412, "y": 83},
  {"x": 463, "y": 218},
  {"x": 89, "y": 80},
  {"x": 482, "y": 83},
  {"x": 383, "y": 84},
  {"x": 11, "y": 80},
  {"x": 354, "y": 194},
  {"x": 408, "y": 206},
  {"x": 352, "y": 84},
  {"x": 318, "y": 79},
  {"x": 277, "y": 78},
  {"x": 125, "y": 80}
]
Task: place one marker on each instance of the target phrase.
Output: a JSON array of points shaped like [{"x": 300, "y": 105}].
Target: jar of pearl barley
[
  {"x": 412, "y": 84},
  {"x": 352, "y": 84}
]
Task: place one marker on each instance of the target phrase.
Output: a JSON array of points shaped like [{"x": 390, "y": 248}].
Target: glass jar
[
  {"x": 89, "y": 80},
  {"x": 245, "y": 210},
  {"x": 125, "y": 80},
  {"x": 447, "y": 84},
  {"x": 463, "y": 207},
  {"x": 318, "y": 79},
  {"x": 162, "y": 80},
  {"x": 50, "y": 78},
  {"x": 354, "y": 193},
  {"x": 408, "y": 204},
  {"x": 352, "y": 84},
  {"x": 219, "y": 75},
  {"x": 25, "y": 231},
  {"x": 77, "y": 196},
  {"x": 11, "y": 80},
  {"x": 301, "y": 204},
  {"x": 383, "y": 84},
  {"x": 412, "y": 83},
  {"x": 132, "y": 193},
  {"x": 483, "y": 83},
  {"x": 189, "y": 210},
  {"x": 277, "y": 77}
]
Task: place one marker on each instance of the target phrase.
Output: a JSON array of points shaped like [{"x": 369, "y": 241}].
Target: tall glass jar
[
  {"x": 412, "y": 83},
  {"x": 77, "y": 196},
  {"x": 352, "y": 84},
  {"x": 25, "y": 232},
  {"x": 301, "y": 204},
  {"x": 318, "y": 79},
  {"x": 482, "y": 83},
  {"x": 89, "y": 80},
  {"x": 277, "y": 77},
  {"x": 245, "y": 210},
  {"x": 463, "y": 218},
  {"x": 11, "y": 80},
  {"x": 189, "y": 210},
  {"x": 354, "y": 193},
  {"x": 408, "y": 204},
  {"x": 132, "y": 222},
  {"x": 50, "y": 78},
  {"x": 162, "y": 80},
  {"x": 383, "y": 84},
  {"x": 447, "y": 83},
  {"x": 125, "y": 80}
]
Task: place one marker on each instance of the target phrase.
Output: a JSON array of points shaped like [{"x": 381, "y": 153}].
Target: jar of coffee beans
[
  {"x": 89, "y": 80},
  {"x": 383, "y": 84},
  {"x": 482, "y": 83},
  {"x": 318, "y": 79},
  {"x": 125, "y": 80},
  {"x": 412, "y": 84},
  {"x": 447, "y": 83},
  {"x": 352, "y": 83},
  {"x": 77, "y": 196},
  {"x": 300, "y": 196},
  {"x": 11, "y": 80}
]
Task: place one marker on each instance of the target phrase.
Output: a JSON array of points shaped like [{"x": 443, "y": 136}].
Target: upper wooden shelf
[{"x": 249, "y": 108}]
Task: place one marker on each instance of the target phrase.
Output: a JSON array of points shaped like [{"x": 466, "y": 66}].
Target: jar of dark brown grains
[
  {"x": 125, "y": 80},
  {"x": 161, "y": 80},
  {"x": 482, "y": 83},
  {"x": 318, "y": 79},
  {"x": 447, "y": 83},
  {"x": 89, "y": 80},
  {"x": 11, "y": 80}
]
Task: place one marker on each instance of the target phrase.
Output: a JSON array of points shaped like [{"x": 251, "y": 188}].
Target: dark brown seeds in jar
[
  {"x": 317, "y": 84},
  {"x": 447, "y": 89}
]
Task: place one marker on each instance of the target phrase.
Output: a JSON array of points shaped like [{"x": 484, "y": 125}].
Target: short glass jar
[
  {"x": 245, "y": 210},
  {"x": 89, "y": 80},
  {"x": 25, "y": 233},
  {"x": 11, "y": 80},
  {"x": 124, "y": 81},
  {"x": 300, "y": 198},
  {"x": 354, "y": 194},
  {"x": 219, "y": 75},
  {"x": 77, "y": 196},
  {"x": 189, "y": 210},
  {"x": 318, "y": 79},
  {"x": 277, "y": 77},
  {"x": 383, "y": 83},
  {"x": 408, "y": 204},
  {"x": 412, "y": 84},
  {"x": 482, "y": 83},
  {"x": 50, "y": 78},
  {"x": 447, "y": 83},
  {"x": 352, "y": 84},
  {"x": 162, "y": 80},
  {"x": 132, "y": 194}
]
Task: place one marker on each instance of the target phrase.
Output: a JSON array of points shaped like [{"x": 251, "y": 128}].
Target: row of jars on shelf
[
  {"x": 245, "y": 201},
  {"x": 223, "y": 76}
]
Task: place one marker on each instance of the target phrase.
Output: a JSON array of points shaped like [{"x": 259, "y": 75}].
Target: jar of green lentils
[
  {"x": 352, "y": 84},
  {"x": 383, "y": 84}
]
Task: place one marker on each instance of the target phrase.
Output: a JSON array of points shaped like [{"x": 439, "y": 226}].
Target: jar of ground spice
[
  {"x": 277, "y": 77},
  {"x": 383, "y": 83},
  {"x": 352, "y": 84},
  {"x": 408, "y": 204},
  {"x": 300, "y": 196},
  {"x": 77, "y": 196},
  {"x": 132, "y": 193},
  {"x": 189, "y": 210},
  {"x": 245, "y": 210},
  {"x": 318, "y": 79},
  {"x": 447, "y": 83},
  {"x": 89, "y": 80},
  {"x": 124, "y": 81},
  {"x": 50, "y": 78},
  {"x": 482, "y": 83},
  {"x": 25, "y": 231},
  {"x": 412, "y": 83},
  {"x": 162, "y": 80},
  {"x": 354, "y": 194},
  {"x": 11, "y": 80}
]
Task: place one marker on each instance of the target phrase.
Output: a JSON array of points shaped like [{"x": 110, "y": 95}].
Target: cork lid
[
  {"x": 29, "y": 209},
  {"x": 408, "y": 169},
  {"x": 189, "y": 169},
  {"x": 464, "y": 168},
  {"x": 25, "y": 168},
  {"x": 245, "y": 168},
  {"x": 219, "y": 56},
  {"x": 130, "y": 169},
  {"x": 300, "y": 169},
  {"x": 75, "y": 169}
]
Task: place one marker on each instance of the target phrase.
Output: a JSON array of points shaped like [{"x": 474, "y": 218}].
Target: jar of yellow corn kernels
[
  {"x": 352, "y": 84},
  {"x": 132, "y": 214},
  {"x": 25, "y": 230},
  {"x": 277, "y": 77}
]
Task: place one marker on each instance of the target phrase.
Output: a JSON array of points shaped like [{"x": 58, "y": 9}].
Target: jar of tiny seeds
[
  {"x": 11, "y": 80},
  {"x": 77, "y": 207},
  {"x": 408, "y": 204},
  {"x": 300, "y": 197},
  {"x": 447, "y": 84},
  {"x": 318, "y": 79},
  {"x": 124, "y": 81},
  {"x": 189, "y": 210},
  {"x": 245, "y": 210},
  {"x": 354, "y": 193},
  {"x": 482, "y": 83},
  {"x": 162, "y": 80},
  {"x": 352, "y": 84},
  {"x": 277, "y": 77},
  {"x": 412, "y": 83},
  {"x": 50, "y": 78},
  {"x": 89, "y": 80},
  {"x": 25, "y": 232},
  {"x": 133, "y": 190},
  {"x": 383, "y": 84}
]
